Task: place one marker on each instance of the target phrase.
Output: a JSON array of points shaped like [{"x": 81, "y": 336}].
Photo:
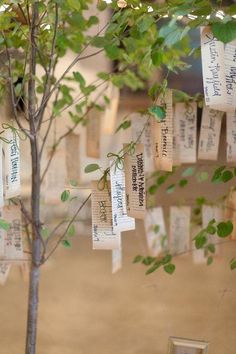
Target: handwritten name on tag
[
  {"x": 231, "y": 136},
  {"x": 4, "y": 272},
  {"x": 162, "y": 133},
  {"x": 186, "y": 131},
  {"x": 230, "y": 69},
  {"x": 12, "y": 165},
  {"x": 104, "y": 236},
  {"x": 13, "y": 237},
  {"x": 93, "y": 131},
  {"x": 180, "y": 229},
  {"x": 209, "y": 134},
  {"x": 110, "y": 115},
  {"x": 72, "y": 144},
  {"x": 141, "y": 129},
  {"x": 116, "y": 260},
  {"x": 135, "y": 182},
  {"x": 155, "y": 231},
  {"x": 121, "y": 221}
]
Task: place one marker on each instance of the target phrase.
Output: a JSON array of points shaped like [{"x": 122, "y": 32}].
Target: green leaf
[
  {"x": 45, "y": 232},
  {"x": 169, "y": 268},
  {"x": 144, "y": 24},
  {"x": 152, "y": 189},
  {"x": 166, "y": 259},
  {"x": 91, "y": 168},
  {"x": 227, "y": 176},
  {"x": 74, "y": 4},
  {"x": 93, "y": 20},
  {"x": 211, "y": 247},
  {"x": 217, "y": 174},
  {"x": 225, "y": 32},
  {"x": 153, "y": 268},
  {"x": 79, "y": 78},
  {"x": 189, "y": 171},
  {"x": 148, "y": 260},
  {"x": 113, "y": 52},
  {"x": 202, "y": 176},
  {"x": 138, "y": 259},
  {"x": 156, "y": 228},
  {"x": 71, "y": 231},
  {"x": 65, "y": 195},
  {"x": 211, "y": 229},
  {"x": 4, "y": 225},
  {"x": 224, "y": 229},
  {"x": 209, "y": 260},
  {"x": 124, "y": 125},
  {"x": 183, "y": 182},
  {"x": 170, "y": 189},
  {"x": 233, "y": 264},
  {"x": 157, "y": 57},
  {"x": 158, "y": 112},
  {"x": 200, "y": 239},
  {"x": 66, "y": 243}
]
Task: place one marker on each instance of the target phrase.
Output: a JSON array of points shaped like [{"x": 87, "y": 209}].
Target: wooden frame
[{"x": 187, "y": 346}]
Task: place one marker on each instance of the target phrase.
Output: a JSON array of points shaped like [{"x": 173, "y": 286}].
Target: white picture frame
[{"x": 187, "y": 346}]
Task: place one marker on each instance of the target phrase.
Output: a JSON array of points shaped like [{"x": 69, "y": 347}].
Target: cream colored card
[
  {"x": 186, "y": 131},
  {"x": 13, "y": 237},
  {"x": 110, "y": 115},
  {"x": 162, "y": 133},
  {"x": 73, "y": 157},
  {"x": 177, "y": 114},
  {"x": 209, "y": 134},
  {"x": 116, "y": 260},
  {"x": 104, "y": 236},
  {"x": 121, "y": 221},
  {"x": 230, "y": 72},
  {"x": 155, "y": 231},
  {"x": 4, "y": 272},
  {"x": 231, "y": 137},
  {"x": 135, "y": 182},
  {"x": 12, "y": 165},
  {"x": 93, "y": 131},
  {"x": 179, "y": 238}
]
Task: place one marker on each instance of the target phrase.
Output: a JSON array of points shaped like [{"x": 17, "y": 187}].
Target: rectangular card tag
[
  {"x": 186, "y": 120},
  {"x": 179, "y": 229},
  {"x": 104, "y": 236},
  {"x": 155, "y": 231},
  {"x": 230, "y": 71},
  {"x": 4, "y": 272},
  {"x": 72, "y": 143},
  {"x": 12, "y": 164},
  {"x": 135, "y": 182},
  {"x": 110, "y": 115},
  {"x": 162, "y": 133},
  {"x": 231, "y": 136},
  {"x": 93, "y": 131},
  {"x": 116, "y": 260},
  {"x": 121, "y": 221},
  {"x": 13, "y": 237},
  {"x": 209, "y": 134}
]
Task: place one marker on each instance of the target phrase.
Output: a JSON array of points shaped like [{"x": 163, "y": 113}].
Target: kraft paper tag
[
  {"x": 104, "y": 236},
  {"x": 93, "y": 131},
  {"x": 4, "y": 272},
  {"x": 135, "y": 182},
  {"x": 141, "y": 129},
  {"x": 230, "y": 71},
  {"x": 116, "y": 260},
  {"x": 163, "y": 135},
  {"x": 72, "y": 143},
  {"x": 179, "y": 229},
  {"x": 231, "y": 136},
  {"x": 186, "y": 131},
  {"x": 13, "y": 237},
  {"x": 209, "y": 134},
  {"x": 155, "y": 231},
  {"x": 110, "y": 115},
  {"x": 121, "y": 221},
  {"x": 12, "y": 165}
]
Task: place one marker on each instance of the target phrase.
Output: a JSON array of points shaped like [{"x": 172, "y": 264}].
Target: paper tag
[
  {"x": 163, "y": 135},
  {"x": 104, "y": 236},
  {"x": 25, "y": 271},
  {"x": 198, "y": 254},
  {"x": 155, "y": 231},
  {"x": 141, "y": 129},
  {"x": 231, "y": 136},
  {"x": 13, "y": 237},
  {"x": 230, "y": 71},
  {"x": 180, "y": 229},
  {"x": 2, "y": 239},
  {"x": 4, "y": 272},
  {"x": 73, "y": 157},
  {"x": 110, "y": 116},
  {"x": 186, "y": 131},
  {"x": 12, "y": 165},
  {"x": 135, "y": 182},
  {"x": 209, "y": 134},
  {"x": 116, "y": 260},
  {"x": 93, "y": 130},
  {"x": 121, "y": 221}
]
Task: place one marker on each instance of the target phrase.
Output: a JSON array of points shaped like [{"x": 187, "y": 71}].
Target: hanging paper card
[
  {"x": 104, "y": 237},
  {"x": 198, "y": 254},
  {"x": 155, "y": 231},
  {"x": 1, "y": 175},
  {"x": 179, "y": 229},
  {"x": 116, "y": 260},
  {"x": 13, "y": 237},
  {"x": 110, "y": 115},
  {"x": 231, "y": 136},
  {"x": 176, "y": 131},
  {"x": 209, "y": 213},
  {"x": 121, "y": 221},
  {"x": 141, "y": 132},
  {"x": 209, "y": 134},
  {"x": 163, "y": 135},
  {"x": 72, "y": 157},
  {"x": 230, "y": 71},
  {"x": 186, "y": 121},
  {"x": 12, "y": 164},
  {"x": 135, "y": 182},
  {"x": 4, "y": 272},
  {"x": 93, "y": 129}
]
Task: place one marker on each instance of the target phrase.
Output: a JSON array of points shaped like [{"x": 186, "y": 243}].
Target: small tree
[{"x": 139, "y": 36}]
